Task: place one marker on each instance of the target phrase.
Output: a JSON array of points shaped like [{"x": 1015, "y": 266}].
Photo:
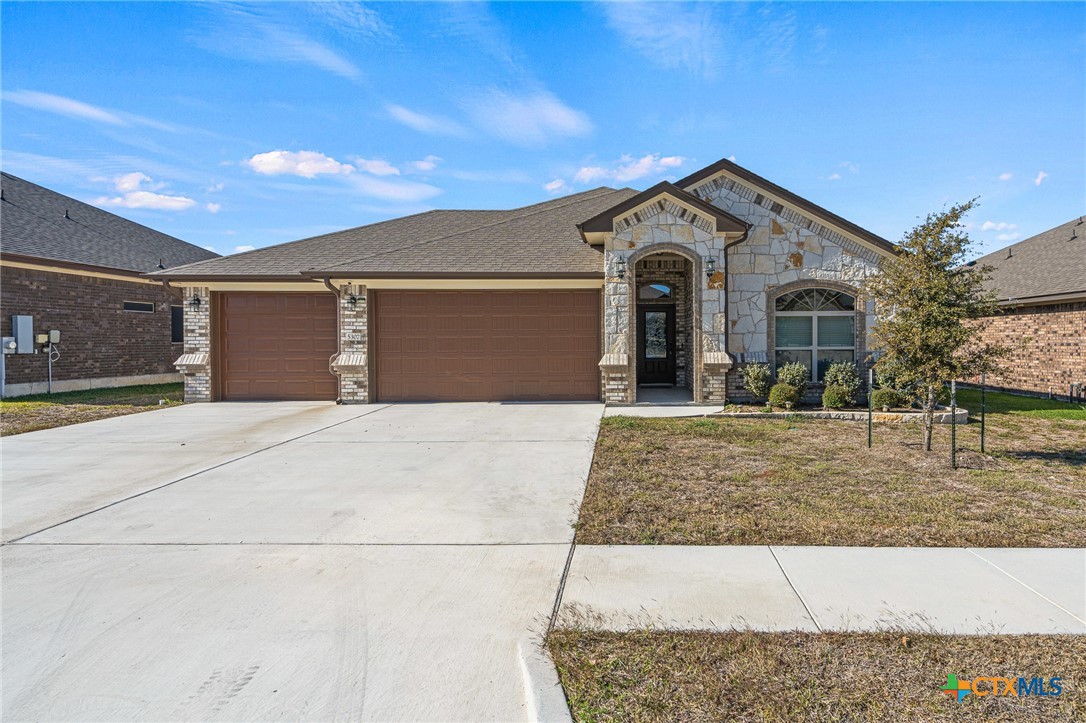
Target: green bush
[
  {"x": 836, "y": 396},
  {"x": 757, "y": 379},
  {"x": 796, "y": 375},
  {"x": 781, "y": 395},
  {"x": 843, "y": 374},
  {"x": 886, "y": 398}
]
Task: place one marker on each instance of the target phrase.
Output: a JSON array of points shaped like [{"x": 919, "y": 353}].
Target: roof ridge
[{"x": 486, "y": 225}]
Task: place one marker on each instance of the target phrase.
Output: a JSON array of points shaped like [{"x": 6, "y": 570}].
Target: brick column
[
  {"x": 351, "y": 364},
  {"x": 195, "y": 363}
]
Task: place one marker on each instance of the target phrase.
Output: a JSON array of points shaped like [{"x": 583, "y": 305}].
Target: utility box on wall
[{"x": 22, "y": 328}]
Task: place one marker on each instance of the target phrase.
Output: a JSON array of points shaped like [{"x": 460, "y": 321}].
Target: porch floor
[{"x": 664, "y": 395}]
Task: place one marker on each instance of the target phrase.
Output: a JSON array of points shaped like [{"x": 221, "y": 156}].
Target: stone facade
[
  {"x": 351, "y": 366},
  {"x": 195, "y": 364},
  {"x": 732, "y": 314},
  {"x": 1049, "y": 347},
  {"x": 100, "y": 343}
]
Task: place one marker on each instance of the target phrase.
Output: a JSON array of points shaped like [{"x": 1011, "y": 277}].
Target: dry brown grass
[
  {"x": 747, "y": 676},
  {"x": 815, "y": 482},
  {"x": 42, "y": 411}
]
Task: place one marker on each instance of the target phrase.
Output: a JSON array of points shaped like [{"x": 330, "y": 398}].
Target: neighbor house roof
[
  {"x": 39, "y": 224},
  {"x": 537, "y": 240},
  {"x": 726, "y": 166},
  {"x": 1048, "y": 266}
]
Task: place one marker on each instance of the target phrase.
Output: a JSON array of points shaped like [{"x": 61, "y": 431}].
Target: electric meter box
[{"x": 22, "y": 328}]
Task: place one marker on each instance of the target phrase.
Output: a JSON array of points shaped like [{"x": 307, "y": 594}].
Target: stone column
[
  {"x": 615, "y": 374},
  {"x": 351, "y": 364},
  {"x": 195, "y": 363}
]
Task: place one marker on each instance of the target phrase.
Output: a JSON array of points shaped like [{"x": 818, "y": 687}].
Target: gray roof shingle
[
  {"x": 33, "y": 224},
  {"x": 1052, "y": 263},
  {"x": 541, "y": 239}
]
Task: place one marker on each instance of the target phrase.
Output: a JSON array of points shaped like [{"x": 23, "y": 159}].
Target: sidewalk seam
[
  {"x": 189, "y": 476},
  {"x": 1032, "y": 590},
  {"x": 791, "y": 585}
]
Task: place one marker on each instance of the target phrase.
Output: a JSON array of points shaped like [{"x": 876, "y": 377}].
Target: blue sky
[{"x": 244, "y": 125}]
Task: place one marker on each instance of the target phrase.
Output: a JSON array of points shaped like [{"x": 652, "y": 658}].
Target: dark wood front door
[{"x": 656, "y": 344}]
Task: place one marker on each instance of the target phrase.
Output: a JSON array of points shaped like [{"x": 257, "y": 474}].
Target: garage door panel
[
  {"x": 276, "y": 346},
  {"x": 486, "y": 345}
]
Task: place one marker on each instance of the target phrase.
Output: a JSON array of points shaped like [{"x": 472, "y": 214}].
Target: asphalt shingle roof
[
  {"x": 1048, "y": 264},
  {"x": 538, "y": 239},
  {"x": 33, "y": 223}
]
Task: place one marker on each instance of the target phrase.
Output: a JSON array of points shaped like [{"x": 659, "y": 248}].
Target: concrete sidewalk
[{"x": 951, "y": 590}]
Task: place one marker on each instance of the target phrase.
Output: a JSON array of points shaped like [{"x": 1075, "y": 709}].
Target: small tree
[{"x": 925, "y": 299}]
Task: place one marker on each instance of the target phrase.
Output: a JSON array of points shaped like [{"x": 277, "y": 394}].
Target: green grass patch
[
  {"x": 1017, "y": 404},
  {"x": 45, "y": 411}
]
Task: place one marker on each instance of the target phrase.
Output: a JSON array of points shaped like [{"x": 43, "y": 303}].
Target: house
[
  {"x": 600, "y": 295},
  {"x": 1041, "y": 286},
  {"x": 78, "y": 269}
]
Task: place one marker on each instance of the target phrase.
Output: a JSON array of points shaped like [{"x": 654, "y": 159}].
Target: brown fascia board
[
  {"x": 605, "y": 222},
  {"x": 344, "y": 274},
  {"x": 798, "y": 201},
  {"x": 73, "y": 265},
  {"x": 1063, "y": 298}
]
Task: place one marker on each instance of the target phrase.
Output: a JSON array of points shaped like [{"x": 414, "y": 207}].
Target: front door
[{"x": 656, "y": 344}]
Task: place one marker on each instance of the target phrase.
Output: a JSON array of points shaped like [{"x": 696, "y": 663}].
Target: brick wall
[
  {"x": 98, "y": 339},
  {"x": 1049, "y": 345},
  {"x": 353, "y": 339},
  {"x": 198, "y": 341}
]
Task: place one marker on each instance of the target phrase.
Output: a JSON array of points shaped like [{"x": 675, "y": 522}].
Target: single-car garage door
[
  {"x": 487, "y": 345},
  {"x": 276, "y": 346}
]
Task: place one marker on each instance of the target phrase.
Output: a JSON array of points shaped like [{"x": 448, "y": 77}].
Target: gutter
[{"x": 339, "y": 336}]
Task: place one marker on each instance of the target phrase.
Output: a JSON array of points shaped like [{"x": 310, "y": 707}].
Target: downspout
[
  {"x": 727, "y": 283},
  {"x": 339, "y": 337}
]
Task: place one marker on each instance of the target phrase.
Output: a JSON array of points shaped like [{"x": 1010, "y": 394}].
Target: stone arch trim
[
  {"x": 774, "y": 292},
  {"x": 695, "y": 285}
]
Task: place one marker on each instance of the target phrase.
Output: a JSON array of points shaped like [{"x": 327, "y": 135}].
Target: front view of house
[{"x": 600, "y": 295}]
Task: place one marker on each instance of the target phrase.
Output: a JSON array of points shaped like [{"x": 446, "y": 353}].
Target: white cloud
[
  {"x": 215, "y": 187},
  {"x": 376, "y": 167},
  {"x": 997, "y": 226},
  {"x": 307, "y": 164},
  {"x": 850, "y": 166},
  {"x": 212, "y": 249},
  {"x": 556, "y": 186},
  {"x": 629, "y": 169},
  {"x": 731, "y": 158},
  {"x": 251, "y": 34},
  {"x": 671, "y": 35},
  {"x": 1040, "y": 177},
  {"x": 392, "y": 189},
  {"x": 351, "y": 18},
  {"x": 147, "y": 199},
  {"x": 429, "y": 124},
  {"x": 243, "y": 248},
  {"x": 131, "y": 181},
  {"x": 834, "y": 177},
  {"x": 78, "y": 109},
  {"x": 213, "y": 207},
  {"x": 532, "y": 119},
  {"x": 1006, "y": 176},
  {"x": 1008, "y": 237},
  {"x": 426, "y": 165}
]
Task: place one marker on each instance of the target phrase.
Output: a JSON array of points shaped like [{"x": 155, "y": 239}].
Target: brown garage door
[
  {"x": 276, "y": 346},
  {"x": 487, "y": 345}
]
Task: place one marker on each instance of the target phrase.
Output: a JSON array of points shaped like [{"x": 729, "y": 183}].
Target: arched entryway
[{"x": 662, "y": 327}]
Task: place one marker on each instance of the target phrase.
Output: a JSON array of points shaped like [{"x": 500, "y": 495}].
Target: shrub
[
  {"x": 796, "y": 375},
  {"x": 886, "y": 398},
  {"x": 781, "y": 395},
  {"x": 757, "y": 379},
  {"x": 836, "y": 396},
  {"x": 844, "y": 375}
]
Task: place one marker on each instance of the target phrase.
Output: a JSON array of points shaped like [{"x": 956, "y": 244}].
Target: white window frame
[{"x": 813, "y": 349}]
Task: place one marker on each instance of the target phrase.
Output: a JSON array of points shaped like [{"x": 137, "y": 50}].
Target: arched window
[
  {"x": 815, "y": 327},
  {"x": 654, "y": 291}
]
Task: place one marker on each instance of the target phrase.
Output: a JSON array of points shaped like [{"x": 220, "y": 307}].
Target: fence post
[
  {"x": 954, "y": 424},
  {"x": 982, "y": 410},
  {"x": 870, "y": 402}
]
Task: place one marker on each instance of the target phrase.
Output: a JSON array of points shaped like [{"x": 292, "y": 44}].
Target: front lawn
[
  {"x": 44, "y": 411},
  {"x": 815, "y": 482},
  {"x": 747, "y": 676}
]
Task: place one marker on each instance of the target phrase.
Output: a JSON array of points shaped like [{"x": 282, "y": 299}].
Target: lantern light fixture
[
  {"x": 710, "y": 267},
  {"x": 195, "y": 302},
  {"x": 620, "y": 267}
]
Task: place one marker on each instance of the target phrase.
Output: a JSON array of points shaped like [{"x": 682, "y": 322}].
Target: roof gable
[
  {"x": 772, "y": 194},
  {"x": 604, "y": 222}
]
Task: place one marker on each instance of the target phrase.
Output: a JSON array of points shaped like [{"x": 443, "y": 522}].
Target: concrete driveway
[{"x": 288, "y": 561}]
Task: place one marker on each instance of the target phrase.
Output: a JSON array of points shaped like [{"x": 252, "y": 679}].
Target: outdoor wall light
[
  {"x": 710, "y": 267},
  {"x": 620, "y": 267},
  {"x": 352, "y": 300},
  {"x": 194, "y": 303}
]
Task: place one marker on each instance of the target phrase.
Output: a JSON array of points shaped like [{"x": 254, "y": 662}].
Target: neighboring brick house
[
  {"x": 597, "y": 295},
  {"x": 1041, "y": 285},
  {"x": 78, "y": 269}
]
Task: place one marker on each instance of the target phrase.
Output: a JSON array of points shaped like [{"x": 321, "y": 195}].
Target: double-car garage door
[{"x": 426, "y": 345}]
